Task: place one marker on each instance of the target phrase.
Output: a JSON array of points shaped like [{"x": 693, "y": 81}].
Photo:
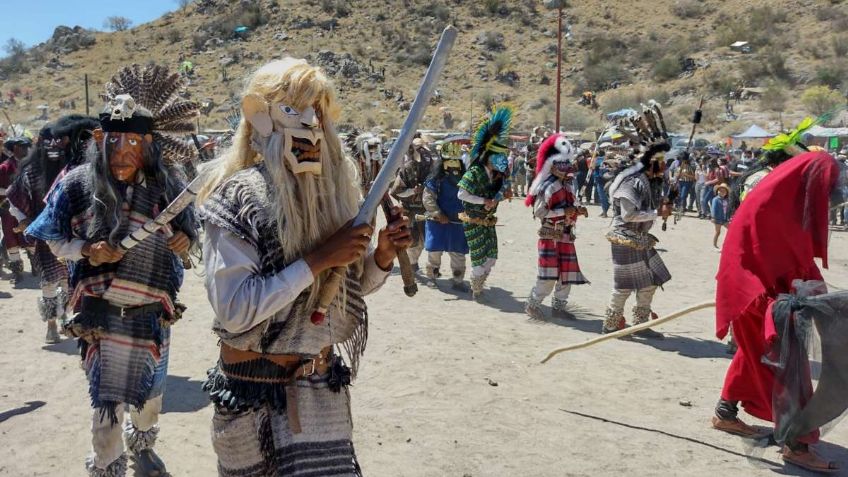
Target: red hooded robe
[{"x": 773, "y": 239}]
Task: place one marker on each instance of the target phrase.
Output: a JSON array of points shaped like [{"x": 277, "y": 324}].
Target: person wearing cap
[
  {"x": 15, "y": 150},
  {"x": 719, "y": 209}
]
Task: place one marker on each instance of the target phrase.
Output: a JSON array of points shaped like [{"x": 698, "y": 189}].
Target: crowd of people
[{"x": 103, "y": 208}]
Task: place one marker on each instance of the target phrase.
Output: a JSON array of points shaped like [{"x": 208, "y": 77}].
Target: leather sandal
[
  {"x": 148, "y": 464},
  {"x": 736, "y": 427},
  {"x": 806, "y": 459}
]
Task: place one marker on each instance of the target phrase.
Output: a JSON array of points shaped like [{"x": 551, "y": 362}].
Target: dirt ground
[{"x": 449, "y": 387}]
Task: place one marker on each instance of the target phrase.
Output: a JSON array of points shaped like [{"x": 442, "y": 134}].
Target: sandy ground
[{"x": 449, "y": 387}]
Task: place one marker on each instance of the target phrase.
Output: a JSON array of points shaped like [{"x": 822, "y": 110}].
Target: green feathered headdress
[
  {"x": 493, "y": 133},
  {"x": 783, "y": 141}
]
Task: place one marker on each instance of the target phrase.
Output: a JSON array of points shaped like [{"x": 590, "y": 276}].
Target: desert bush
[
  {"x": 116, "y": 23},
  {"x": 198, "y": 40},
  {"x": 487, "y": 100},
  {"x": 435, "y": 9},
  {"x": 756, "y": 27},
  {"x": 251, "y": 16},
  {"x": 631, "y": 97},
  {"x": 774, "y": 98},
  {"x": 492, "y": 40},
  {"x": 496, "y": 7},
  {"x": 719, "y": 82},
  {"x": 821, "y": 99},
  {"x": 832, "y": 74},
  {"x": 502, "y": 62},
  {"x": 414, "y": 54},
  {"x": 689, "y": 8},
  {"x": 599, "y": 76},
  {"x": 840, "y": 46},
  {"x": 174, "y": 35},
  {"x": 576, "y": 118},
  {"x": 667, "y": 68}
]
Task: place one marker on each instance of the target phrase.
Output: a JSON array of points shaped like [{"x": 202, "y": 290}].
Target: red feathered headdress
[{"x": 554, "y": 145}]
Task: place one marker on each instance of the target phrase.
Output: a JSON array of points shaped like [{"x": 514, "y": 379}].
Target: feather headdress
[
  {"x": 157, "y": 90},
  {"x": 493, "y": 133}
]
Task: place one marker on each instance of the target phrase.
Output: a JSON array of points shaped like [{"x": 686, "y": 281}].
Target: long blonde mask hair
[{"x": 308, "y": 208}]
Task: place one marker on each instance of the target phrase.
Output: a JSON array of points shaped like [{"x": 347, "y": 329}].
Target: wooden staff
[
  {"x": 629, "y": 331},
  {"x": 406, "y": 272}
]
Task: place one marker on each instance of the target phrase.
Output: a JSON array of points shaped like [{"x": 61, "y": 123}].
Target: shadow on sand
[
  {"x": 183, "y": 394},
  {"x": 25, "y": 409}
]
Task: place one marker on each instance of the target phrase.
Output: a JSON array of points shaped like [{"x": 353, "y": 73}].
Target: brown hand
[
  {"x": 344, "y": 247},
  {"x": 22, "y": 225},
  {"x": 395, "y": 236},
  {"x": 179, "y": 243},
  {"x": 101, "y": 252}
]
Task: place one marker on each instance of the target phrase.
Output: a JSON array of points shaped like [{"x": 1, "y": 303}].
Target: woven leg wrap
[
  {"x": 477, "y": 283},
  {"x": 118, "y": 468},
  {"x": 641, "y": 314},
  {"x": 61, "y": 302},
  {"x": 47, "y": 308},
  {"x": 137, "y": 440},
  {"x": 614, "y": 320},
  {"x": 558, "y": 304}
]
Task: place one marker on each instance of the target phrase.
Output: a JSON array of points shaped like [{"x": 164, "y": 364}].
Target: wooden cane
[
  {"x": 406, "y": 272},
  {"x": 629, "y": 331}
]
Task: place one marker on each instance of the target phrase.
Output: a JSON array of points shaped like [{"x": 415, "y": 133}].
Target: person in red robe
[{"x": 776, "y": 234}]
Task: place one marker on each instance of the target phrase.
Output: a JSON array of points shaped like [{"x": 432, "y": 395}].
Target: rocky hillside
[{"x": 672, "y": 50}]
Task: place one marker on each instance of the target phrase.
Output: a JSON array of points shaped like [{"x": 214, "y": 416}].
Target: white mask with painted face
[{"x": 300, "y": 131}]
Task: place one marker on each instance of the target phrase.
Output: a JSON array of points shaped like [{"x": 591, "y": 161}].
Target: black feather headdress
[{"x": 157, "y": 90}]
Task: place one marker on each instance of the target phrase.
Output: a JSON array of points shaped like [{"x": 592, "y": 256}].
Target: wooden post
[{"x": 86, "y": 95}]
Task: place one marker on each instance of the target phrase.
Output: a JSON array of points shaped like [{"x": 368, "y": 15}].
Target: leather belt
[
  {"x": 93, "y": 304},
  {"x": 296, "y": 367}
]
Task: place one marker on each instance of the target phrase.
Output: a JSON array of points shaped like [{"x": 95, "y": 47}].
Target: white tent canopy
[{"x": 754, "y": 132}]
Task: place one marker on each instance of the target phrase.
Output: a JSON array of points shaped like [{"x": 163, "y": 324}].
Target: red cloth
[
  {"x": 11, "y": 239},
  {"x": 773, "y": 239}
]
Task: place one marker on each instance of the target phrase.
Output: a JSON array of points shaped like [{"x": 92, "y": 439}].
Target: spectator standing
[{"x": 719, "y": 207}]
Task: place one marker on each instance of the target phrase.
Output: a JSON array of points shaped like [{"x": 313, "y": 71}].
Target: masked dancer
[
  {"x": 443, "y": 230},
  {"x": 275, "y": 211},
  {"x": 483, "y": 186},
  {"x": 555, "y": 204},
  {"x": 61, "y": 147},
  {"x": 13, "y": 241},
  {"x": 637, "y": 268},
  {"x": 125, "y": 301}
]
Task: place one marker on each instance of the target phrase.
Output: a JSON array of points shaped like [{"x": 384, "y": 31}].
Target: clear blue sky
[{"x": 33, "y": 21}]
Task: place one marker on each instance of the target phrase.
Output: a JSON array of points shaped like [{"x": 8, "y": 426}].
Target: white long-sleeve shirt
[{"x": 242, "y": 298}]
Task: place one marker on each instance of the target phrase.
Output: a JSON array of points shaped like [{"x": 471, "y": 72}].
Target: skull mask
[
  {"x": 562, "y": 160},
  {"x": 122, "y": 107},
  {"x": 300, "y": 130}
]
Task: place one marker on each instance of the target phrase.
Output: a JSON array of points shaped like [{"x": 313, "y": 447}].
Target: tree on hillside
[
  {"x": 183, "y": 3},
  {"x": 117, "y": 23},
  {"x": 821, "y": 99},
  {"x": 14, "y": 47}
]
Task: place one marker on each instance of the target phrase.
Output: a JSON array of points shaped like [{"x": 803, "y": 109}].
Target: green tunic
[{"x": 482, "y": 240}]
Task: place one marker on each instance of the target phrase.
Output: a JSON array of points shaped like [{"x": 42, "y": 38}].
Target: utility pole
[{"x": 559, "y": 63}]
